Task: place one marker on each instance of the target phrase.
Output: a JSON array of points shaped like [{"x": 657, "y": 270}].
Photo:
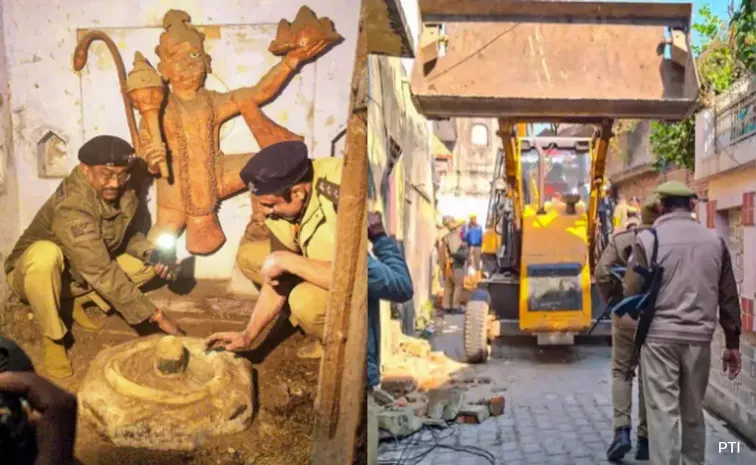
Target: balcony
[{"x": 726, "y": 133}]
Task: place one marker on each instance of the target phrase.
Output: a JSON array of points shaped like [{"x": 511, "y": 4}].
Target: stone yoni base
[{"x": 133, "y": 402}]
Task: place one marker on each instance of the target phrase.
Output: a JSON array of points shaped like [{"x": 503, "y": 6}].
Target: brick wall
[
  {"x": 735, "y": 400},
  {"x": 642, "y": 185}
]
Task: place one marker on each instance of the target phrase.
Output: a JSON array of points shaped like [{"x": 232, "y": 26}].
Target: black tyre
[{"x": 476, "y": 332}]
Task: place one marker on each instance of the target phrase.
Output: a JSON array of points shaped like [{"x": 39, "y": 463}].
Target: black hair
[{"x": 676, "y": 203}]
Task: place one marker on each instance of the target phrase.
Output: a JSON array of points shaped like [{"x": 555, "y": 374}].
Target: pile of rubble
[{"x": 424, "y": 388}]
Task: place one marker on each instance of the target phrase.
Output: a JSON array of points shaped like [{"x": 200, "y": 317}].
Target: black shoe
[
  {"x": 641, "y": 452},
  {"x": 620, "y": 446}
]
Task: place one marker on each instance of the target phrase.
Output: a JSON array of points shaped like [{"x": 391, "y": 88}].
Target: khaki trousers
[
  {"x": 307, "y": 301},
  {"x": 675, "y": 377},
  {"x": 475, "y": 251},
  {"x": 38, "y": 280},
  {"x": 623, "y": 338},
  {"x": 372, "y": 433},
  {"x": 453, "y": 287}
]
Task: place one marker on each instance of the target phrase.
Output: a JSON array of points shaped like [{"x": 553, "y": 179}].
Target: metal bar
[
  {"x": 512, "y": 166},
  {"x": 537, "y": 110},
  {"x": 598, "y": 166},
  {"x": 340, "y": 406},
  {"x": 435, "y": 10}
]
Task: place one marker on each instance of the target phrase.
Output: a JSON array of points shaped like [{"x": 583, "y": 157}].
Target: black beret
[
  {"x": 106, "y": 150},
  {"x": 276, "y": 168}
]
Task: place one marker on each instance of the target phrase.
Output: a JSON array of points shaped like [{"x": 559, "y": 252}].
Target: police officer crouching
[
  {"x": 299, "y": 199},
  {"x": 79, "y": 246},
  {"x": 675, "y": 351},
  {"x": 609, "y": 286}
]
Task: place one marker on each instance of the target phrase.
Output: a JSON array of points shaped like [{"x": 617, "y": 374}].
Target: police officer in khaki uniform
[
  {"x": 697, "y": 288},
  {"x": 71, "y": 250},
  {"x": 299, "y": 198},
  {"x": 453, "y": 256},
  {"x": 617, "y": 253}
]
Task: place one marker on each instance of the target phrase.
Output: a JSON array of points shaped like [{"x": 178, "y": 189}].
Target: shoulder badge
[{"x": 328, "y": 190}]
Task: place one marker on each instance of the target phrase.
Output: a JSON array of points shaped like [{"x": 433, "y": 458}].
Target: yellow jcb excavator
[{"x": 558, "y": 61}]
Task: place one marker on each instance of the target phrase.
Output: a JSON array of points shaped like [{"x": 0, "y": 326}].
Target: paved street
[{"x": 558, "y": 411}]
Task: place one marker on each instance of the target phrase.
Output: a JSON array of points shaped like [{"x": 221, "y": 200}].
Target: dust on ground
[{"x": 286, "y": 385}]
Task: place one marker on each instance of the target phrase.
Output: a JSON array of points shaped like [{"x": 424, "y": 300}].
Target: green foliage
[
  {"x": 743, "y": 25},
  {"x": 727, "y": 53},
  {"x": 674, "y": 144}
]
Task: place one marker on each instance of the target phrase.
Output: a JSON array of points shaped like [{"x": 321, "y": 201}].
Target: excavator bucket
[{"x": 554, "y": 60}]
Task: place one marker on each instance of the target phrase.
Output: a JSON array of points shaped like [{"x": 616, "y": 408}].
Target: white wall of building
[{"x": 9, "y": 226}]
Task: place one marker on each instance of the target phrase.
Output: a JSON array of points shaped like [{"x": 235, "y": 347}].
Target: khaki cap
[
  {"x": 674, "y": 189},
  {"x": 649, "y": 209}
]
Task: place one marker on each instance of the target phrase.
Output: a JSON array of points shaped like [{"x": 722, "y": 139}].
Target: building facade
[
  {"x": 465, "y": 186},
  {"x": 726, "y": 161},
  {"x": 401, "y": 165},
  {"x": 630, "y": 166}
]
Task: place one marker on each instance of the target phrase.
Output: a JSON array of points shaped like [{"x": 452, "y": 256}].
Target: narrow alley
[{"x": 558, "y": 411}]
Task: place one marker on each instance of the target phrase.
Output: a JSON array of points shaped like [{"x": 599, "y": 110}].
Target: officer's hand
[
  {"x": 731, "y": 363},
  {"x": 154, "y": 153},
  {"x": 56, "y": 422},
  {"x": 274, "y": 266},
  {"x": 166, "y": 323},
  {"x": 164, "y": 272},
  {"x": 375, "y": 225},
  {"x": 232, "y": 341}
]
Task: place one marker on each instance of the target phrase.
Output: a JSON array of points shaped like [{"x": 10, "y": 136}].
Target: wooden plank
[{"x": 340, "y": 402}]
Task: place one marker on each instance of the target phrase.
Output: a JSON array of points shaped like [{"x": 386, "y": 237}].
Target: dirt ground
[{"x": 285, "y": 386}]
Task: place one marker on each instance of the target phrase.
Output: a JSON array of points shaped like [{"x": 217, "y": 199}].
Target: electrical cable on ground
[{"x": 414, "y": 443}]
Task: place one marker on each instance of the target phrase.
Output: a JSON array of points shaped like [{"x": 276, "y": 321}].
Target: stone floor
[{"x": 558, "y": 412}]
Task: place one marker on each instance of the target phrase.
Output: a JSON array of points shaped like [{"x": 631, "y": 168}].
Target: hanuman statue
[{"x": 178, "y": 135}]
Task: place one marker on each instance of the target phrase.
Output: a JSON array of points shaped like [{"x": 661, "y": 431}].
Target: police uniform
[
  {"x": 697, "y": 290},
  {"x": 72, "y": 248},
  {"x": 313, "y": 235},
  {"x": 617, "y": 253},
  {"x": 454, "y": 268}
]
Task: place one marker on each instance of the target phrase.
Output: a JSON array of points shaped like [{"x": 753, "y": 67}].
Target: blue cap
[{"x": 276, "y": 168}]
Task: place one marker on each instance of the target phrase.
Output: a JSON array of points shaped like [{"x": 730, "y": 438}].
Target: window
[{"x": 479, "y": 135}]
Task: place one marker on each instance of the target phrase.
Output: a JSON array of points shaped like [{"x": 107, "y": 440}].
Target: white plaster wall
[
  {"x": 714, "y": 153},
  {"x": 9, "y": 212},
  {"x": 48, "y": 95},
  {"x": 727, "y": 190}
]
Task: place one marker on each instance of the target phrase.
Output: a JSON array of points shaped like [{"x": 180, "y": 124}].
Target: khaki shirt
[
  {"x": 91, "y": 233},
  {"x": 315, "y": 235},
  {"x": 617, "y": 252},
  {"x": 450, "y": 244}
]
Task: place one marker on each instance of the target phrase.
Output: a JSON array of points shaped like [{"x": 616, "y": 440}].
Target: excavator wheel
[{"x": 476, "y": 331}]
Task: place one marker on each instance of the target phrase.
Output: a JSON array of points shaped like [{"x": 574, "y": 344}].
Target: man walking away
[
  {"x": 609, "y": 286},
  {"x": 474, "y": 238},
  {"x": 675, "y": 358}
]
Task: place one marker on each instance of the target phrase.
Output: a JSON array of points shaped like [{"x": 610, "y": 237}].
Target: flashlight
[{"x": 165, "y": 254}]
